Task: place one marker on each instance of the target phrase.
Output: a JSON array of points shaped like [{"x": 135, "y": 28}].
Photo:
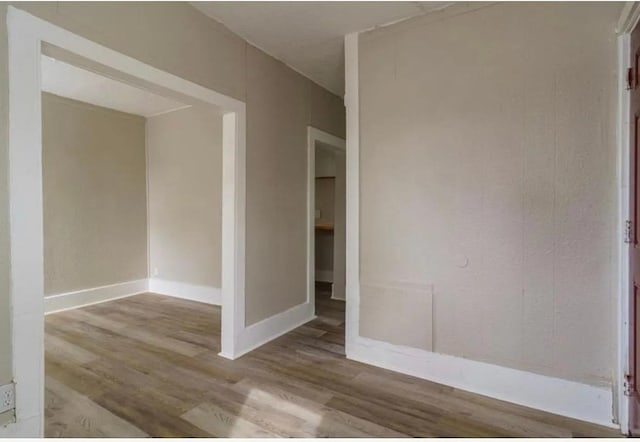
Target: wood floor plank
[
  {"x": 511, "y": 423},
  {"x": 329, "y": 422},
  {"x": 99, "y": 320},
  {"x": 263, "y": 415},
  {"x": 66, "y": 350},
  {"x": 164, "y": 342},
  {"x": 219, "y": 423},
  {"x": 149, "y": 365},
  {"x": 156, "y": 420},
  {"x": 78, "y": 377},
  {"x": 79, "y": 416}
]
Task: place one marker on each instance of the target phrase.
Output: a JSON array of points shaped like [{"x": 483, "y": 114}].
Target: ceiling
[
  {"x": 67, "y": 80},
  {"x": 309, "y": 36}
]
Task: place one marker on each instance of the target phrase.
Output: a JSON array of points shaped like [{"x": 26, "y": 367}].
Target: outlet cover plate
[{"x": 7, "y": 397}]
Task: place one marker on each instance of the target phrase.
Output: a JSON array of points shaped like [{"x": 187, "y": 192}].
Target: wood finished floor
[{"x": 148, "y": 366}]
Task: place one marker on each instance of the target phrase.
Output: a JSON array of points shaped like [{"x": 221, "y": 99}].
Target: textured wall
[
  {"x": 276, "y": 186},
  {"x": 184, "y": 157},
  {"x": 488, "y": 170},
  {"x": 176, "y": 38},
  {"x": 94, "y": 182}
]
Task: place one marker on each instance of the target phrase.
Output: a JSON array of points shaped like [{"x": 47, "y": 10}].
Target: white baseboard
[
  {"x": 558, "y": 396},
  {"x": 273, "y": 327},
  {"x": 95, "y": 295},
  {"x": 324, "y": 275},
  {"x": 31, "y": 427},
  {"x": 192, "y": 292}
]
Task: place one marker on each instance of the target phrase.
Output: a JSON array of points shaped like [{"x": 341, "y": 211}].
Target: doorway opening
[
  {"x": 326, "y": 222},
  {"x": 29, "y": 39},
  {"x": 132, "y": 221}
]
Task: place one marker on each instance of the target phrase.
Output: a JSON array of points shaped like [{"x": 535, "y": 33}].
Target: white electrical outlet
[{"x": 7, "y": 397}]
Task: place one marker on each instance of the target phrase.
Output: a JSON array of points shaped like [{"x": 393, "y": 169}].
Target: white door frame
[
  {"x": 313, "y": 135},
  {"x": 626, "y": 24},
  {"x": 352, "y": 105},
  {"x": 26, "y": 34}
]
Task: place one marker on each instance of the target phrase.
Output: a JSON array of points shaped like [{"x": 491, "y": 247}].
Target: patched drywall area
[
  {"x": 184, "y": 160},
  {"x": 400, "y": 314},
  {"x": 94, "y": 196},
  {"x": 488, "y": 170}
]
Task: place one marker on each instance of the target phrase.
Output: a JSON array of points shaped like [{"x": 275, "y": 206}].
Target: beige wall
[
  {"x": 176, "y": 38},
  {"x": 488, "y": 170},
  {"x": 325, "y": 199},
  {"x": 184, "y": 157},
  {"x": 277, "y": 181},
  {"x": 325, "y": 160},
  {"x": 94, "y": 195}
]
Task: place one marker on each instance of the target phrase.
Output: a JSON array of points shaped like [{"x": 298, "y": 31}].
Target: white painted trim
[
  {"x": 558, "y": 396},
  {"x": 629, "y": 17},
  {"x": 94, "y": 295},
  {"x": 313, "y": 135},
  {"x": 147, "y": 188},
  {"x": 233, "y": 230},
  {"x": 25, "y": 35},
  {"x": 273, "y": 327},
  {"x": 183, "y": 290},
  {"x": 7, "y": 417},
  {"x": 21, "y": 429},
  {"x": 25, "y": 208},
  {"x": 627, "y": 22},
  {"x": 352, "y": 104},
  {"x": 326, "y": 138},
  {"x": 623, "y": 283},
  {"x": 311, "y": 218},
  {"x": 324, "y": 275}
]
